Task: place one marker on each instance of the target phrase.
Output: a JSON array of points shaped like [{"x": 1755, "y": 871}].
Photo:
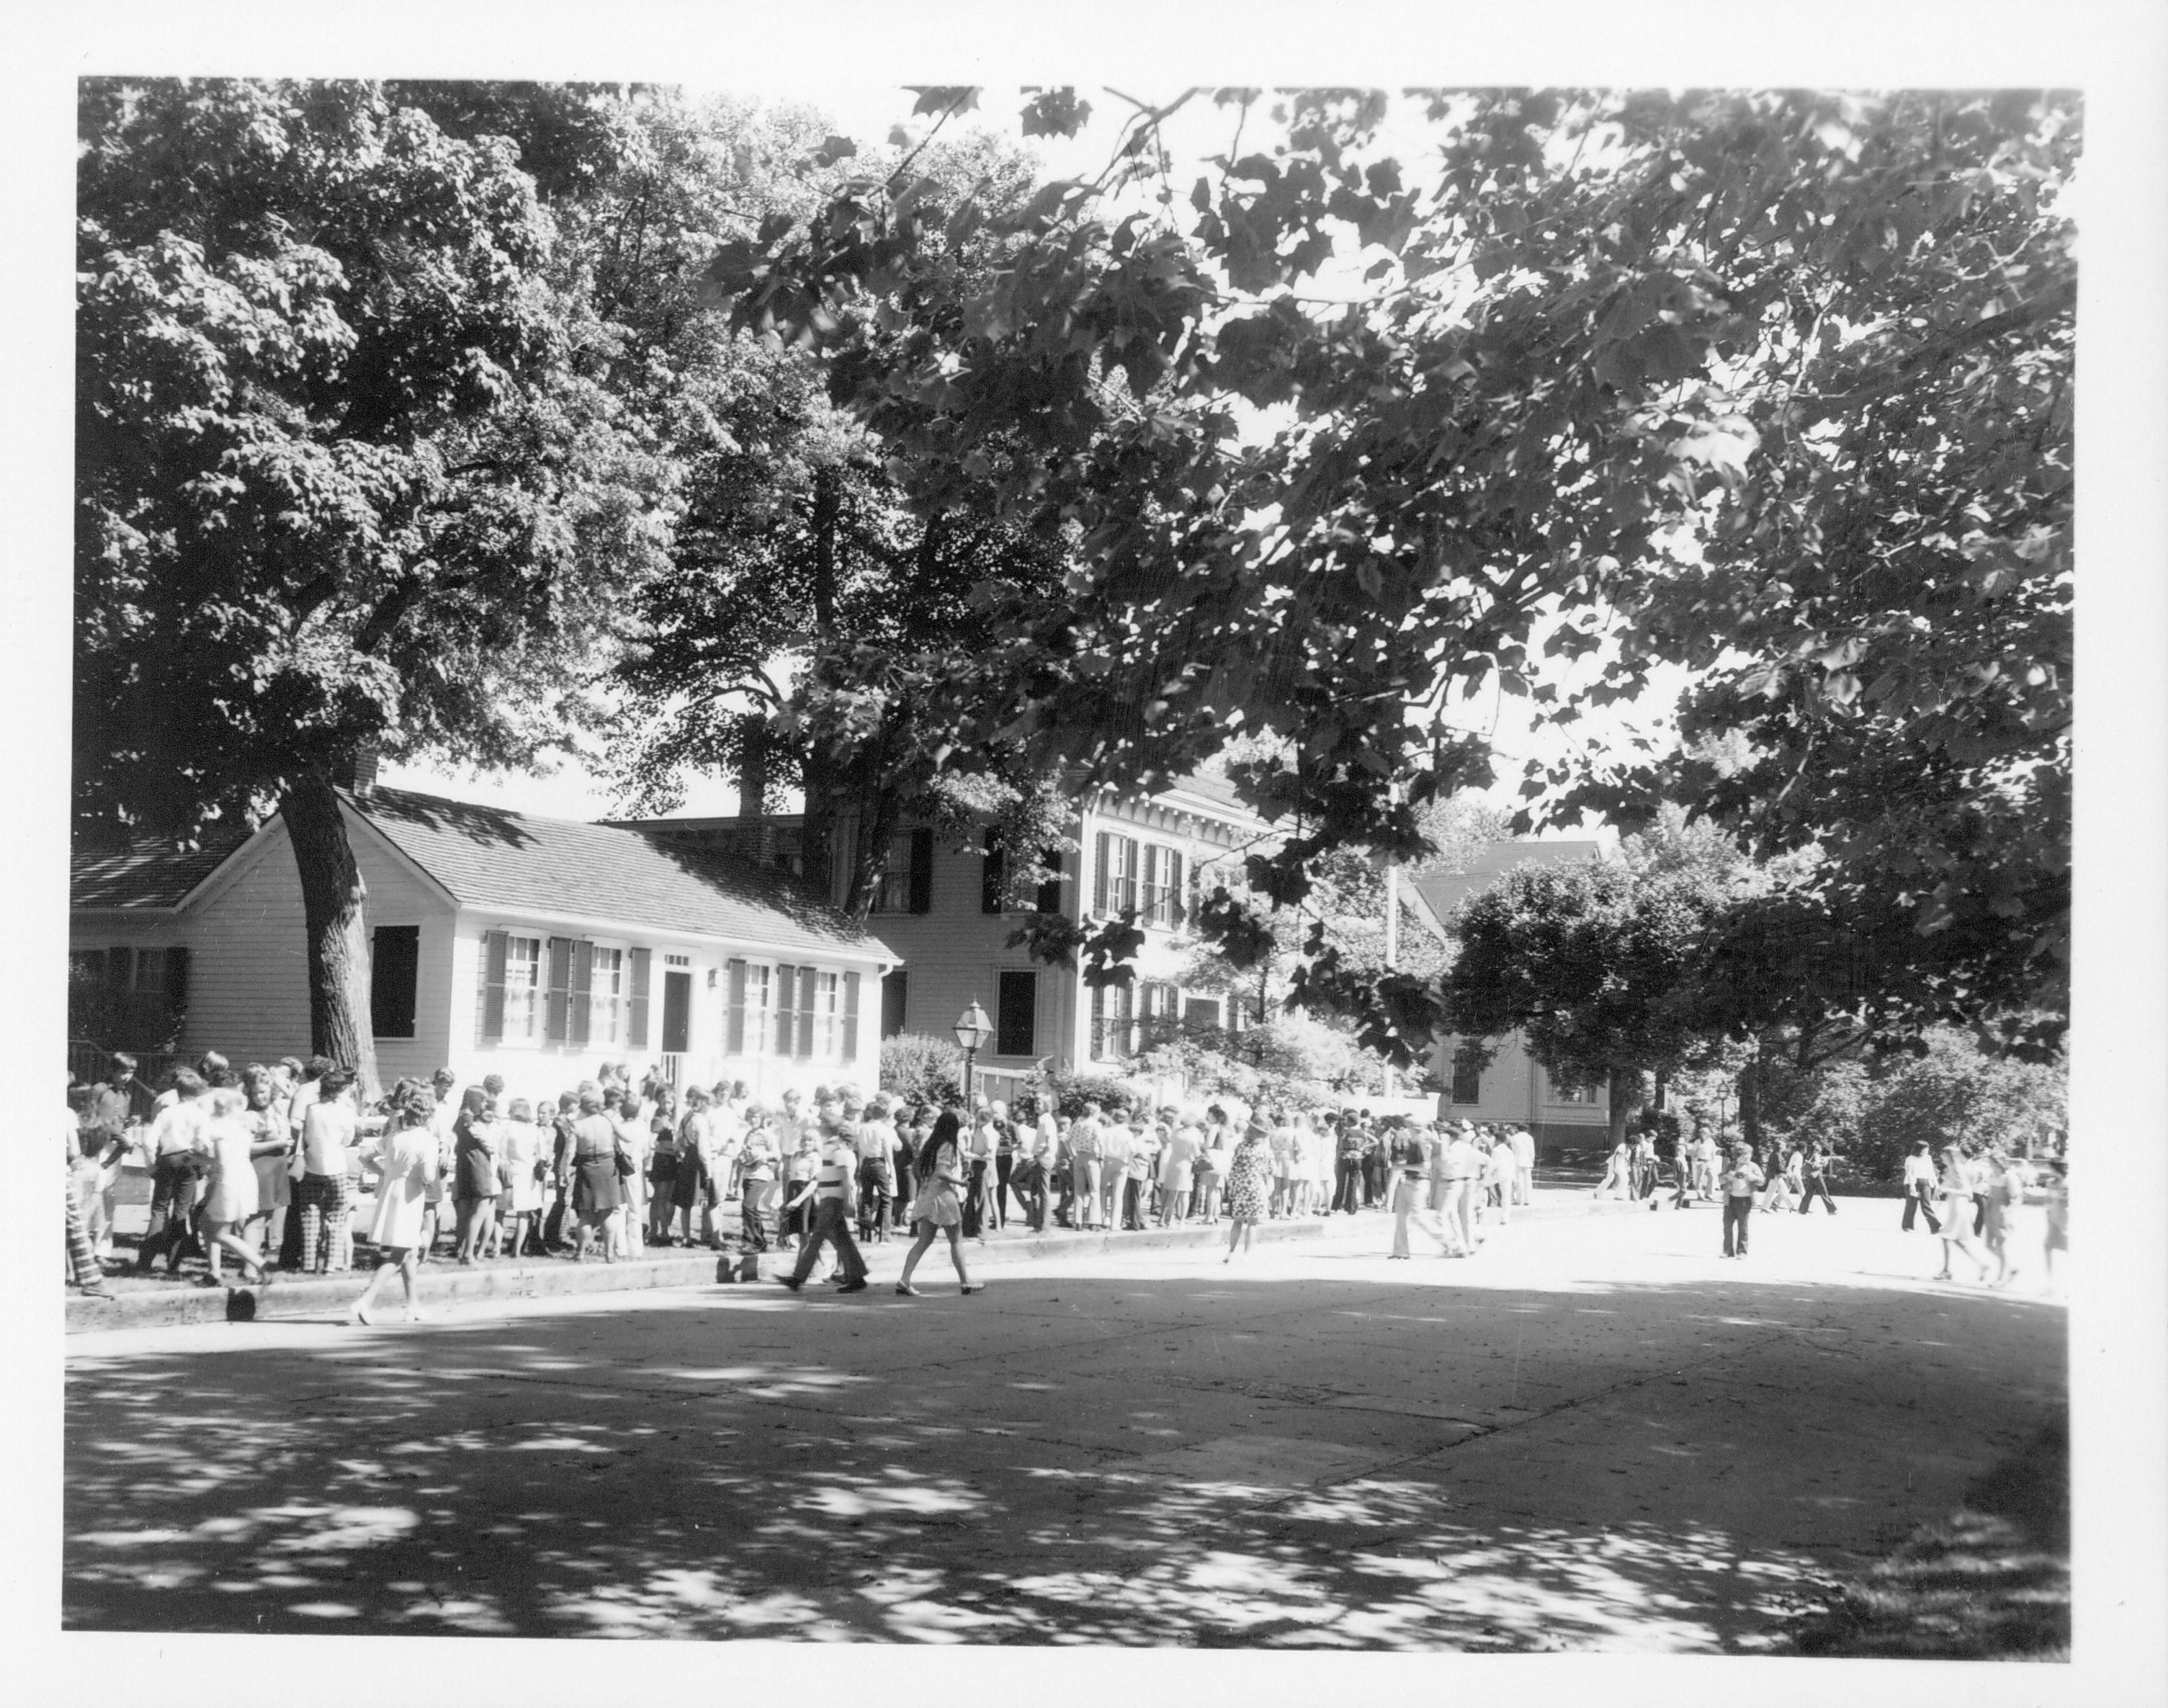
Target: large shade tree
[
  {"x": 1785, "y": 372},
  {"x": 350, "y": 473}
]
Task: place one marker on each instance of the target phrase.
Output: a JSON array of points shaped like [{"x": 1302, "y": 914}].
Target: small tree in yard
[{"x": 1597, "y": 967}]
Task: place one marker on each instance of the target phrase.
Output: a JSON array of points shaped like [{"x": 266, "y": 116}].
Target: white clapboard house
[
  {"x": 940, "y": 907},
  {"x": 535, "y": 948},
  {"x": 1512, "y": 1087}
]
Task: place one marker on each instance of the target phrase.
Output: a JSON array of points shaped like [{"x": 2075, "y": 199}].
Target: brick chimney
[{"x": 358, "y": 776}]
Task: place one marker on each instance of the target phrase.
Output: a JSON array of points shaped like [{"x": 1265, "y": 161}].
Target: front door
[{"x": 677, "y": 1013}]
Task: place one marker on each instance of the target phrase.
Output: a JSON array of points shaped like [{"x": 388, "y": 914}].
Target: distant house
[
  {"x": 940, "y": 907},
  {"x": 1511, "y": 1087},
  {"x": 535, "y": 948}
]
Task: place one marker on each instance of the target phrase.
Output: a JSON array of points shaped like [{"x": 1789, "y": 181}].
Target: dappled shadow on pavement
[{"x": 1101, "y": 1461}]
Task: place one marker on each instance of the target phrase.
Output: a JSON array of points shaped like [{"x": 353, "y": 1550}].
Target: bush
[
  {"x": 1071, "y": 1092},
  {"x": 1871, "y": 1113},
  {"x": 923, "y": 1069}
]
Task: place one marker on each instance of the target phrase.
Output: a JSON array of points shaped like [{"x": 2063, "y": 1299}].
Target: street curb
[{"x": 444, "y": 1284}]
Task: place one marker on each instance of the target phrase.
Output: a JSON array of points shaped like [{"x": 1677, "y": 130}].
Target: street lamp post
[{"x": 972, "y": 1029}]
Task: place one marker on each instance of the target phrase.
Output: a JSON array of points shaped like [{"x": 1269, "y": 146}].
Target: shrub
[
  {"x": 920, "y": 1068},
  {"x": 1071, "y": 1092}
]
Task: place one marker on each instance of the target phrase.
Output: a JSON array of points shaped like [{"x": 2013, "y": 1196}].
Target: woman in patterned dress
[{"x": 1249, "y": 1186}]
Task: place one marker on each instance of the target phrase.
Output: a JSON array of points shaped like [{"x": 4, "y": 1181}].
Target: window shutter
[
  {"x": 1155, "y": 875},
  {"x": 734, "y": 1015},
  {"x": 850, "y": 1017},
  {"x": 1126, "y": 853},
  {"x": 1101, "y": 889},
  {"x": 394, "y": 960},
  {"x": 119, "y": 969},
  {"x": 808, "y": 990},
  {"x": 635, "y": 1029},
  {"x": 1175, "y": 913},
  {"x": 1099, "y": 1018},
  {"x": 175, "y": 986},
  {"x": 1049, "y": 889},
  {"x": 784, "y": 1022},
  {"x": 1196, "y": 892},
  {"x": 922, "y": 871},
  {"x": 583, "y": 986},
  {"x": 991, "y": 874},
  {"x": 494, "y": 947},
  {"x": 557, "y": 1009}
]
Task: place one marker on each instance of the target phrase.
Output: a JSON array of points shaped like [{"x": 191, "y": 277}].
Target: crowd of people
[
  {"x": 257, "y": 1170},
  {"x": 2000, "y": 1206}
]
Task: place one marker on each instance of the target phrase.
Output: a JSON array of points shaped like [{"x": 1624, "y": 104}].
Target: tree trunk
[
  {"x": 1625, "y": 1092},
  {"x": 878, "y": 813},
  {"x": 331, "y": 896},
  {"x": 1749, "y": 1103},
  {"x": 817, "y": 773}
]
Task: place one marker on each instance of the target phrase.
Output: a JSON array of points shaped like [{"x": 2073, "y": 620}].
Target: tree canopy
[{"x": 1774, "y": 386}]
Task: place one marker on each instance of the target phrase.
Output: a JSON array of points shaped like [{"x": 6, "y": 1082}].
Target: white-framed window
[
  {"x": 827, "y": 1011},
  {"x": 522, "y": 989},
  {"x": 606, "y": 995}
]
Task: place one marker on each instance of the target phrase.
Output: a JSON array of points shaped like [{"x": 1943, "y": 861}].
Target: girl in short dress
[
  {"x": 233, "y": 1144},
  {"x": 525, "y": 1161},
  {"x": 937, "y": 1207},
  {"x": 409, "y": 1161}
]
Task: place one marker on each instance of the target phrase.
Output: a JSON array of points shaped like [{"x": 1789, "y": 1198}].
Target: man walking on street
[
  {"x": 1919, "y": 1184},
  {"x": 834, "y": 1192},
  {"x": 1741, "y": 1180}
]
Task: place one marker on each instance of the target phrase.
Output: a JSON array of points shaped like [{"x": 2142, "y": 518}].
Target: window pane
[{"x": 1016, "y": 1020}]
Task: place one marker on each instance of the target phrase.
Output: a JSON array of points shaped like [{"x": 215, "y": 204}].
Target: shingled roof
[
  {"x": 1443, "y": 892},
  {"x": 515, "y": 863},
  {"x": 148, "y": 875},
  {"x": 512, "y": 862}
]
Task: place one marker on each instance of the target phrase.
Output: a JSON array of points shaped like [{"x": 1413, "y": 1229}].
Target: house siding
[
  {"x": 248, "y": 994},
  {"x": 1514, "y": 1088},
  {"x": 543, "y": 1068}
]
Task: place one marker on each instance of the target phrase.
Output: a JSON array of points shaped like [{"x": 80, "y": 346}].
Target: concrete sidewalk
[{"x": 444, "y": 1282}]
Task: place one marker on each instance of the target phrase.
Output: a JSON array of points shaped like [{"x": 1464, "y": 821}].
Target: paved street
[{"x": 1596, "y": 1435}]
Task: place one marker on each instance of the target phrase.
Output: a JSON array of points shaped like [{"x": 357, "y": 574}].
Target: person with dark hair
[
  {"x": 216, "y": 1071},
  {"x": 937, "y": 1208},
  {"x": 474, "y": 1162},
  {"x": 176, "y": 1158}
]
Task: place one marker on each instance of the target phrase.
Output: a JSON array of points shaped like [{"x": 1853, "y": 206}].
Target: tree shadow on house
[{"x": 1116, "y": 1462}]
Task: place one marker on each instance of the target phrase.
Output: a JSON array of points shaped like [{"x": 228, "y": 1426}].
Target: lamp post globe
[{"x": 973, "y": 1029}]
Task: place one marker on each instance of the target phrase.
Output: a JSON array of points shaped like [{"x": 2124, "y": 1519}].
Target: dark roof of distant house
[
  {"x": 1443, "y": 892},
  {"x": 489, "y": 857},
  {"x": 148, "y": 874}
]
